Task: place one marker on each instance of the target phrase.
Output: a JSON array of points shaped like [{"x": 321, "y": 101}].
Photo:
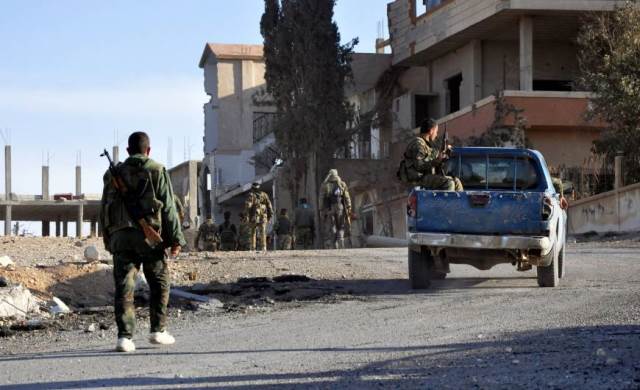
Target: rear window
[{"x": 494, "y": 172}]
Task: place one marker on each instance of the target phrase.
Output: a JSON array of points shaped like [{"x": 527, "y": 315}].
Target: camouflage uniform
[
  {"x": 259, "y": 211},
  {"x": 244, "y": 234},
  {"x": 228, "y": 236},
  {"x": 304, "y": 226},
  {"x": 336, "y": 203},
  {"x": 283, "y": 230},
  {"x": 125, "y": 240},
  {"x": 419, "y": 164},
  {"x": 208, "y": 233}
]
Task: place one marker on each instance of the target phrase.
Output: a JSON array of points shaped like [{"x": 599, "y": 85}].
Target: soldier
[
  {"x": 244, "y": 233},
  {"x": 228, "y": 234},
  {"x": 559, "y": 187},
  {"x": 304, "y": 225},
  {"x": 124, "y": 238},
  {"x": 336, "y": 203},
  {"x": 283, "y": 230},
  {"x": 208, "y": 233},
  {"x": 258, "y": 210},
  {"x": 422, "y": 157}
]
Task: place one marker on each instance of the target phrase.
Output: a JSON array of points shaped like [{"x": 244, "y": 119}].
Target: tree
[
  {"x": 501, "y": 132},
  {"x": 306, "y": 72},
  {"x": 609, "y": 63}
]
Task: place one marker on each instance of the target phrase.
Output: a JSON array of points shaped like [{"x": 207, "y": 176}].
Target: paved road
[{"x": 491, "y": 329}]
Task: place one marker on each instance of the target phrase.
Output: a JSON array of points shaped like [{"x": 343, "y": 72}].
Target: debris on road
[
  {"x": 17, "y": 302},
  {"x": 58, "y": 307}
]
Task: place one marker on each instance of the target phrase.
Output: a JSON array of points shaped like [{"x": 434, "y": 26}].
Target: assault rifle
[
  {"x": 445, "y": 148},
  {"x": 151, "y": 236}
]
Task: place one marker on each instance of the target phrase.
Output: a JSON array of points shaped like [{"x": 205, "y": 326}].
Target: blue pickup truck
[{"x": 509, "y": 212}]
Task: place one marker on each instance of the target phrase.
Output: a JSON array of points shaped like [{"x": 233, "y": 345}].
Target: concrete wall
[
  {"x": 613, "y": 211},
  {"x": 500, "y": 64}
]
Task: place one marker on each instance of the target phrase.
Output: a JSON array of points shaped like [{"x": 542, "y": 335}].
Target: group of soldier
[{"x": 252, "y": 231}]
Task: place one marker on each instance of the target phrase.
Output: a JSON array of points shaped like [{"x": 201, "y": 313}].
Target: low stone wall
[{"x": 613, "y": 211}]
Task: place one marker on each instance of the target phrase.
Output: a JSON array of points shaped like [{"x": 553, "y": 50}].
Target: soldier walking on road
[
  {"x": 336, "y": 203},
  {"x": 283, "y": 230},
  {"x": 422, "y": 158},
  {"x": 228, "y": 234},
  {"x": 152, "y": 196},
  {"x": 208, "y": 233},
  {"x": 304, "y": 225},
  {"x": 259, "y": 211}
]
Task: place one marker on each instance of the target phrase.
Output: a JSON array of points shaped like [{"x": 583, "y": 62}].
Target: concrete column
[
  {"x": 93, "y": 227},
  {"x": 79, "y": 220},
  {"x": 45, "y": 182},
  {"x": 7, "y": 171},
  {"x": 7, "y": 220},
  {"x": 116, "y": 154},
  {"x": 379, "y": 45},
  {"x": 78, "y": 180},
  {"x": 7, "y": 189},
  {"x": 99, "y": 229},
  {"x": 46, "y": 229},
  {"x": 618, "y": 171},
  {"x": 65, "y": 229},
  {"x": 58, "y": 228},
  {"x": 526, "y": 53}
]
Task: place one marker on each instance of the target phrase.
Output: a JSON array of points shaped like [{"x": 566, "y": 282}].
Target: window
[
  {"x": 453, "y": 93},
  {"x": 263, "y": 124},
  {"x": 421, "y": 105},
  {"x": 429, "y": 4},
  {"x": 552, "y": 85},
  {"x": 494, "y": 172}
]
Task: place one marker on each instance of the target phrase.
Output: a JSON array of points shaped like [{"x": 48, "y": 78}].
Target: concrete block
[
  {"x": 17, "y": 302},
  {"x": 5, "y": 261},
  {"x": 91, "y": 253}
]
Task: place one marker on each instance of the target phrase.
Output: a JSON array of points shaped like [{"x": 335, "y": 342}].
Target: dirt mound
[{"x": 78, "y": 285}]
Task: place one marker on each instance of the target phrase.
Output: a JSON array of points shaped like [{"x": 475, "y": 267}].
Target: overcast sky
[{"x": 73, "y": 72}]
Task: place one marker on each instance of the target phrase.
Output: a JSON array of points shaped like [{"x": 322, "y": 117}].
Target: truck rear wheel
[
  {"x": 561, "y": 262},
  {"x": 549, "y": 276},
  {"x": 420, "y": 265}
]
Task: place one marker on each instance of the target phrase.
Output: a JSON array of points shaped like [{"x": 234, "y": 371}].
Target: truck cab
[{"x": 509, "y": 212}]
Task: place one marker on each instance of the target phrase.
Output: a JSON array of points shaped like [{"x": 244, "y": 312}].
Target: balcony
[
  {"x": 420, "y": 34},
  {"x": 553, "y": 120}
]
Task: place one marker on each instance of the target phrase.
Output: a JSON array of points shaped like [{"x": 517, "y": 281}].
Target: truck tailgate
[{"x": 479, "y": 212}]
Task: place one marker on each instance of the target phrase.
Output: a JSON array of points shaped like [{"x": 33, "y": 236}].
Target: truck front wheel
[
  {"x": 549, "y": 276},
  {"x": 421, "y": 269}
]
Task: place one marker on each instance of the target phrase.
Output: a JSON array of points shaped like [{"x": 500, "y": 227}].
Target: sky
[{"x": 77, "y": 76}]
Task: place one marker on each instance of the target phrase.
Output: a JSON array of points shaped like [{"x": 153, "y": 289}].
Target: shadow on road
[{"x": 589, "y": 357}]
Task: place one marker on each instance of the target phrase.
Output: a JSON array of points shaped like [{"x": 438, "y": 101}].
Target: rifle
[
  {"x": 151, "y": 236},
  {"x": 445, "y": 148}
]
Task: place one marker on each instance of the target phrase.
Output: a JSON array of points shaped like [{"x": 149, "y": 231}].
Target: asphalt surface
[{"x": 477, "y": 329}]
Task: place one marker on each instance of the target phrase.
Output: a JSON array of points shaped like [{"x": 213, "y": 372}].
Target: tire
[
  {"x": 561, "y": 263},
  {"x": 435, "y": 275},
  {"x": 549, "y": 276},
  {"x": 420, "y": 264}
]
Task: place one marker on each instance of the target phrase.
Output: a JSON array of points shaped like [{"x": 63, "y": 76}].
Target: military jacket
[
  {"x": 150, "y": 183},
  {"x": 258, "y": 207},
  {"x": 303, "y": 217},
  {"x": 283, "y": 225},
  {"x": 334, "y": 192},
  {"x": 420, "y": 158}
]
